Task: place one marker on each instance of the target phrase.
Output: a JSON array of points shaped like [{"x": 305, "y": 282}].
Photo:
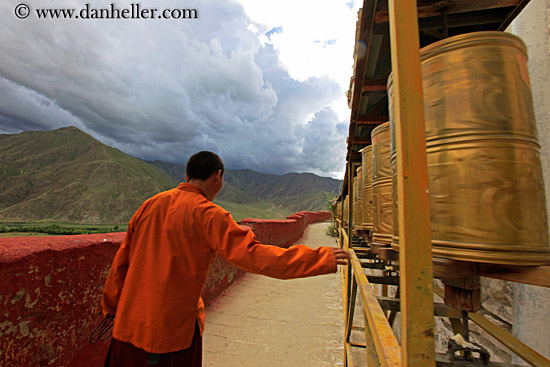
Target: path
[{"x": 261, "y": 321}]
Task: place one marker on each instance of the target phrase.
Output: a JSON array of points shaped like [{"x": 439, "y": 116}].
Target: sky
[{"x": 261, "y": 83}]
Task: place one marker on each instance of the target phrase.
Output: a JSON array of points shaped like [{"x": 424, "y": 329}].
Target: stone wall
[
  {"x": 50, "y": 290},
  {"x": 531, "y": 303}
]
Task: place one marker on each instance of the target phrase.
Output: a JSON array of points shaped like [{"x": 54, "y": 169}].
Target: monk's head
[{"x": 205, "y": 169}]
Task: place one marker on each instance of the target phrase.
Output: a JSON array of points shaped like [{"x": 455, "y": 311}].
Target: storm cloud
[{"x": 164, "y": 89}]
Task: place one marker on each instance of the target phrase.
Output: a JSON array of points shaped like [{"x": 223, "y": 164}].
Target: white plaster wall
[{"x": 531, "y": 305}]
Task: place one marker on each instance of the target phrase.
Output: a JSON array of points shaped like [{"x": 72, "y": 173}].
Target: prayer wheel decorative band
[
  {"x": 381, "y": 185},
  {"x": 487, "y": 199},
  {"x": 366, "y": 154}
]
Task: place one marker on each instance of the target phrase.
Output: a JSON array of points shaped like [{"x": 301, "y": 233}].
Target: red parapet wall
[
  {"x": 50, "y": 290},
  {"x": 285, "y": 232}
]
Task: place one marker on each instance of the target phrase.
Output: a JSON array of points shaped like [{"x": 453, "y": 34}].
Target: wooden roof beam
[
  {"x": 374, "y": 85},
  {"x": 370, "y": 120},
  {"x": 428, "y": 9},
  {"x": 364, "y": 141},
  {"x": 365, "y": 32}
]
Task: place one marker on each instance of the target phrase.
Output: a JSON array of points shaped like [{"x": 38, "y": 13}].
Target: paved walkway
[{"x": 261, "y": 321}]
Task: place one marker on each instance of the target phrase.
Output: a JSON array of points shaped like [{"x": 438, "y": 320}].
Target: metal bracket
[{"x": 462, "y": 356}]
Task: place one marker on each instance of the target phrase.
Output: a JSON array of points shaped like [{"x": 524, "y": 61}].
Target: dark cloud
[{"x": 163, "y": 89}]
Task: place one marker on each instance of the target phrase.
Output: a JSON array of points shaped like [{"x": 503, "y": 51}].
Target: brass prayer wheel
[
  {"x": 359, "y": 208},
  {"x": 355, "y": 212},
  {"x": 346, "y": 209},
  {"x": 366, "y": 155},
  {"x": 395, "y": 207},
  {"x": 487, "y": 199},
  {"x": 381, "y": 185}
]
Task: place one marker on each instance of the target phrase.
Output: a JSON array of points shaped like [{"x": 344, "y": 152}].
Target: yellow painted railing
[{"x": 382, "y": 347}]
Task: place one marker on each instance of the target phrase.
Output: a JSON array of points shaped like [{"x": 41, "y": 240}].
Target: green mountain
[
  {"x": 280, "y": 194},
  {"x": 292, "y": 191},
  {"x": 65, "y": 175}
]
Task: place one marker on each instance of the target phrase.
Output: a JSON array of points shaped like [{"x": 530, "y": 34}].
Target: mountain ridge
[
  {"x": 291, "y": 191},
  {"x": 66, "y": 175}
]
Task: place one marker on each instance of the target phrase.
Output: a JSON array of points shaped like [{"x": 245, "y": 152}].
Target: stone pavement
[{"x": 261, "y": 321}]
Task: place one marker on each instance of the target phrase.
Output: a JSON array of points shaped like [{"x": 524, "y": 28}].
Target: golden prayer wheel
[
  {"x": 355, "y": 201},
  {"x": 346, "y": 209},
  {"x": 487, "y": 200},
  {"x": 395, "y": 207},
  {"x": 366, "y": 154},
  {"x": 359, "y": 208},
  {"x": 381, "y": 185}
]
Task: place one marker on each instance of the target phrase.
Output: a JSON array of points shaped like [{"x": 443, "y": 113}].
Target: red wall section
[
  {"x": 50, "y": 290},
  {"x": 274, "y": 232},
  {"x": 285, "y": 232}
]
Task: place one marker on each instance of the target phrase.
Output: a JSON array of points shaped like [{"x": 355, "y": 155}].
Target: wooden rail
[
  {"x": 383, "y": 338},
  {"x": 382, "y": 347}
]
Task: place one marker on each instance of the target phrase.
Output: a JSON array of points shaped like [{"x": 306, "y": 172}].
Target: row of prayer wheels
[{"x": 486, "y": 191}]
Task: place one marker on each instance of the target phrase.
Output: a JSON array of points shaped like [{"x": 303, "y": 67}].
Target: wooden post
[
  {"x": 463, "y": 293},
  {"x": 415, "y": 256}
]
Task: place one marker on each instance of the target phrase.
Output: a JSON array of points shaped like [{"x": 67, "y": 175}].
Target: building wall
[
  {"x": 50, "y": 290},
  {"x": 531, "y": 304}
]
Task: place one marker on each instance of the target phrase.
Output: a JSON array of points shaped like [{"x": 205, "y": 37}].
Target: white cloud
[
  {"x": 163, "y": 89},
  {"x": 314, "y": 37}
]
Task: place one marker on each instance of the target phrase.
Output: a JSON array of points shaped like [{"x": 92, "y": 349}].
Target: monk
[{"x": 155, "y": 282}]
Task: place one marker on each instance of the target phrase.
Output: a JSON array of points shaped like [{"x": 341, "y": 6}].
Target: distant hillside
[
  {"x": 284, "y": 194},
  {"x": 66, "y": 175}
]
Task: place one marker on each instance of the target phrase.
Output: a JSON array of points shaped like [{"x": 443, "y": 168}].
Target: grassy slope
[
  {"x": 66, "y": 175},
  {"x": 260, "y": 209},
  {"x": 287, "y": 193}
]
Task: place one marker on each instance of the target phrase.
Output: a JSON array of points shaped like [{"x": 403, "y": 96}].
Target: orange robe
[{"x": 158, "y": 273}]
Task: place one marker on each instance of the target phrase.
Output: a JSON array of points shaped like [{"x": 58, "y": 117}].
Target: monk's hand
[{"x": 341, "y": 255}]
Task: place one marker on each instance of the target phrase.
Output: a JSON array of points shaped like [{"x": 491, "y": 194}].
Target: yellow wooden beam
[
  {"x": 378, "y": 331},
  {"x": 348, "y": 355},
  {"x": 345, "y": 274},
  {"x": 415, "y": 256},
  {"x": 523, "y": 351}
]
